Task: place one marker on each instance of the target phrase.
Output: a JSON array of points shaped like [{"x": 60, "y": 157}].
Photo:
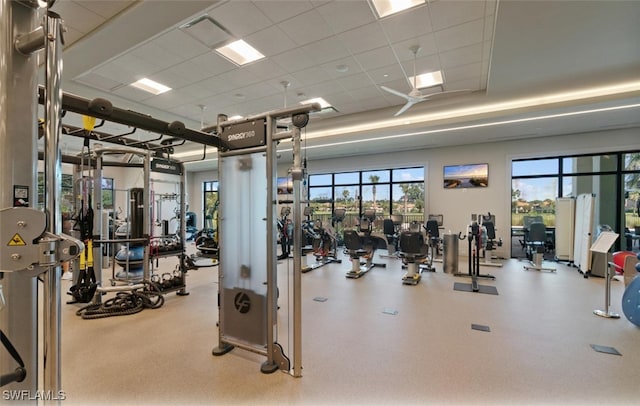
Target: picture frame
[{"x": 466, "y": 176}]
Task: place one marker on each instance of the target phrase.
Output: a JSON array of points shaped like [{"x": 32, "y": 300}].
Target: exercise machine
[
  {"x": 323, "y": 242},
  {"x": 361, "y": 243},
  {"x": 248, "y": 274},
  {"x": 535, "y": 244},
  {"x": 474, "y": 238},
  {"x": 412, "y": 250},
  {"x": 489, "y": 242},
  {"x": 391, "y": 229}
]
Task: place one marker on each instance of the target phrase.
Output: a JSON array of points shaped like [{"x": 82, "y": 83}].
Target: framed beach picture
[{"x": 466, "y": 176}]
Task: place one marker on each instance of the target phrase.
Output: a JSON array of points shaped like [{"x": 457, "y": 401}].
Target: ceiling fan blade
[
  {"x": 404, "y": 108},
  {"x": 397, "y": 93}
]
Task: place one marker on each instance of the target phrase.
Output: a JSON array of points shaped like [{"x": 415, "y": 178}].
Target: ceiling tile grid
[{"x": 320, "y": 47}]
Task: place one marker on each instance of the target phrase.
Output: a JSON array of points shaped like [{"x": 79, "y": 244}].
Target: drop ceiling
[{"x": 492, "y": 51}]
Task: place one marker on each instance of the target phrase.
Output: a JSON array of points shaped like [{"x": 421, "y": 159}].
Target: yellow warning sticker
[{"x": 16, "y": 240}]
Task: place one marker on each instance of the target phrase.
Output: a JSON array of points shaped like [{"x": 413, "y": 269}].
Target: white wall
[{"x": 457, "y": 205}]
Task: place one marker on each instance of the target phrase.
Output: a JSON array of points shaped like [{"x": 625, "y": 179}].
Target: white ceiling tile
[
  {"x": 181, "y": 44},
  {"x": 445, "y": 14},
  {"x": 257, "y": 91},
  {"x": 386, "y": 74},
  {"x": 78, "y": 17},
  {"x": 339, "y": 98},
  {"x": 365, "y": 93},
  {"x": 97, "y": 81},
  {"x": 198, "y": 90},
  {"x": 319, "y": 90},
  {"x": 376, "y": 58},
  {"x": 307, "y": 27},
  {"x": 131, "y": 93},
  {"x": 241, "y": 18},
  {"x": 153, "y": 54},
  {"x": 460, "y": 35},
  {"x": 106, "y": 8},
  {"x": 465, "y": 84},
  {"x": 458, "y": 73},
  {"x": 71, "y": 35},
  {"x": 239, "y": 78},
  {"x": 427, "y": 44},
  {"x": 215, "y": 85},
  {"x": 326, "y": 50},
  {"x": 171, "y": 99},
  {"x": 345, "y": 15},
  {"x": 121, "y": 70},
  {"x": 490, "y": 7},
  {"x": 280, "y": 10},
  {"x": 401, "y": 85},
  {"x": 331, "y": 67},
  {"x": 462, "y": 56},
  {"x": 171, "y": 79},
  {"x": 312, "y": 76},
  {"x": 357, "y": 81},
  {"x": 412, "y": 23},
  {"x": 271, "y": 41},
  {"x": 489, "y": 28},
  {"x": 363, "y": 38},
  {"x": 374, "y": 103},
  {"x": 293, "y": 60},
  {"x": 264, "y": 69},
  {"x": 201, "y": 67},
  {"x": 486, "y": 49}
]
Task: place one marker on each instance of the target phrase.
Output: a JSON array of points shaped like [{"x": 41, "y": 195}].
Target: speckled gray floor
[{"x": 354, "y": 353}]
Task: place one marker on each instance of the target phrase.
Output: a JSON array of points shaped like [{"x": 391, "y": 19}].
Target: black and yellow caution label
[{"x": 16, "y": 240}]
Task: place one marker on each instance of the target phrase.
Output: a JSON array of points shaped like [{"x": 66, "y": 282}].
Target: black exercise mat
[
  {"x": 466, "y": 287},
  {"x": 605, "y": 349}
]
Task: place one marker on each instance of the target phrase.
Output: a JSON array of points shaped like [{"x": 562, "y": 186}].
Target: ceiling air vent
[{"x": 206, "y": 30}]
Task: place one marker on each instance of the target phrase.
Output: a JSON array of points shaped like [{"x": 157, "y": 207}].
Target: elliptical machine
[{"x": 474, "y": 238}]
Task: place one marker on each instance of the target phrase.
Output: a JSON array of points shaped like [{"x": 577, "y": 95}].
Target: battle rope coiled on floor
[{"x": 125, "y": 303}]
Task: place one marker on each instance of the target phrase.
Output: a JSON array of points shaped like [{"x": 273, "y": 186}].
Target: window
[
  {"x": 388, "y": 191},
  {"x": 210, "y": 204},
  {"x": 537, "y": 183}
]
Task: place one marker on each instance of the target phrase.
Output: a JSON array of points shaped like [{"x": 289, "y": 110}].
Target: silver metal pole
[
  {"x": 18, "y": 155},
  {"x": 53, "y": 181},
  {"x": 272, "y": 281},
  {"x": 297, "y": 174}
]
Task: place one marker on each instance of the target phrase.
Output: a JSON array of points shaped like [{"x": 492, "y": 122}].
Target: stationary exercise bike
[
  {"x": 361, "y": 243},
  {"x": 413, "y": 251}
]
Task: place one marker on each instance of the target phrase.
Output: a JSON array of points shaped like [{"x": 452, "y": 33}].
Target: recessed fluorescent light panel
[
  {"x": 151, "y": 86},
  {"x": 240, "y": 53},
  {"x": 428, "y": 79},
  {"x": 388, "y": 7}
]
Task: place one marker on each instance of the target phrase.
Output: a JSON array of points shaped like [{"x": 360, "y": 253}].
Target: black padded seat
[{"x": 412, "y": 246}]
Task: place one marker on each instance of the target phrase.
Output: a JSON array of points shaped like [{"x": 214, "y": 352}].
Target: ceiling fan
[{"x": 415, "y": 95}]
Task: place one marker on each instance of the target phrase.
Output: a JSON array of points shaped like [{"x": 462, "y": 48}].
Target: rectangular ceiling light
[
  {"x": 387, "y": 7},
  {"x": 239, "y": 52},
  {"x": 151, "y": 86},
  {"x": 428, "y": 79}
]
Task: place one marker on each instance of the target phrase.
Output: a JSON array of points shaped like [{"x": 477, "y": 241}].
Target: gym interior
[{"x": 437, "y": 203}]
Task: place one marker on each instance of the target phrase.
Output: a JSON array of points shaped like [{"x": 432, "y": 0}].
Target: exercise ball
[
  {"x": 132, "y": 256},
  {"x": 631, "y": 301}
]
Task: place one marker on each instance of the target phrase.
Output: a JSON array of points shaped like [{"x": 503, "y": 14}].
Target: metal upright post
[
  {"x": 53, "y": 176},
  {"x": 18, "y": 157},
  {"x": 272, "y": 280},
  {"x": 297, "y": 175}
]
